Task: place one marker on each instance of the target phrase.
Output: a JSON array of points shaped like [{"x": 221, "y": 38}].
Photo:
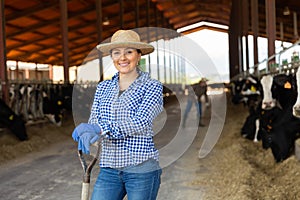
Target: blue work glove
[
  {"x": 85, "y": 140},
  {"x": 84, "y": 128}
]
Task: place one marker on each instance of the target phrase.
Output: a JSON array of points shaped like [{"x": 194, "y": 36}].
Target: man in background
[{"x": 199, "y": 89}]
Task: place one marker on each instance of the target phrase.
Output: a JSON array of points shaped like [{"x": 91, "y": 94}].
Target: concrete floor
[{"x": 56, "y": 173}]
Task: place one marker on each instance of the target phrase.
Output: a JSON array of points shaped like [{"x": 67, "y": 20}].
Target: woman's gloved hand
[
  {"x": 83, "y": 128},
  {"x": 86, "y": 140},
  {"x": 86, "y": 134}
]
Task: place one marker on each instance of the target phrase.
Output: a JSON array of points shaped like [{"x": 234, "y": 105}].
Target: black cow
[
  {"x": 57, "y": 98},
  {"x": 53, "y": 103},
  {"x": 278, "y": 127},
  {"x": 12, "y": 121}
]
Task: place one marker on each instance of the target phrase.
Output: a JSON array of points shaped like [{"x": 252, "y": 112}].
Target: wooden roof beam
[{"x": 28, "y": 12}]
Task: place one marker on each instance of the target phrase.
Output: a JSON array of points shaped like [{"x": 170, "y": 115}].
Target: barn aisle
[{"x": 46, "y": 167}]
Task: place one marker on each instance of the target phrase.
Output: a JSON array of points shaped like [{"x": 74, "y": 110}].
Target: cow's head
[
  {"x": 268, "y": 102},
  {"x": 296, "y": 107},
  {"x": 18, "y": 127}
]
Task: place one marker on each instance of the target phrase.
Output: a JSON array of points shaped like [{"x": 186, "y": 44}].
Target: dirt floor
[{"x": 236, "y": 168}]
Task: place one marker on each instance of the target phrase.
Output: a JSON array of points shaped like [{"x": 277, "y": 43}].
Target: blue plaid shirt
[{"x": 126, "y": 121}]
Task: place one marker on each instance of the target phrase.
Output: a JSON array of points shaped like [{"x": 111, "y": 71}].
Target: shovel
[{"x": 87, "y": 169}]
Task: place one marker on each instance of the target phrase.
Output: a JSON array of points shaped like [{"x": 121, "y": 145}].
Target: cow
[
  {"x": 57, "y": 98},
  {"x": 278, "y": 127},
  {"x": 259, "y": 120},
  {"x": 251, "y": 91},
  {"x": 26, "y": 101},
  {"x": 53, "y": 103},
  {"x": 39, "y": 101},
  {"x": 246, "y": 90},
  {"x": 296, "y": 106},
  {"x": 13, "y": 122}
]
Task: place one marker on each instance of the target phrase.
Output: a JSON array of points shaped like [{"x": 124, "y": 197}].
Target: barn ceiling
[{"x": 33, "y": 27}]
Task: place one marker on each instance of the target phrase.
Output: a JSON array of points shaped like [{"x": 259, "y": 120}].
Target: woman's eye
[
  {"x": 115, "y": 53},
  {"x": 129, "y": 52}
]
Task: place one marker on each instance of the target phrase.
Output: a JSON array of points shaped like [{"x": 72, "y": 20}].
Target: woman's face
[{"x": 125, "y": 59}]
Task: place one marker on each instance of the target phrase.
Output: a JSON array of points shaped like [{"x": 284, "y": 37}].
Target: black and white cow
[
  {"x": 37, "y": 101},
  {"x": 277, "y": 125},
  {"x": 54, "y": 103},
  {"x": 296, "y": 106},
  {"x": 246, "y": 90},
  {"x": 252, "y": 91},
  {"x": 12, "y": 121}
]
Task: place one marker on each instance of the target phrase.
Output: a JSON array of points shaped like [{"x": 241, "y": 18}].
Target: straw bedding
[{"x": 236, "y": 168}]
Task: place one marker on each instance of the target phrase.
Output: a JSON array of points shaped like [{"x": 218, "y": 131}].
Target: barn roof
[{"x": 33, "y": 28}]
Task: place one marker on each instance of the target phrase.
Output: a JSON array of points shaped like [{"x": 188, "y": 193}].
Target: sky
[{"x": 215, "y": 44}]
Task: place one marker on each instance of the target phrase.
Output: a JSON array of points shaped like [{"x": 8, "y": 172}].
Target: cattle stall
[{"x": 272, "y": 97}]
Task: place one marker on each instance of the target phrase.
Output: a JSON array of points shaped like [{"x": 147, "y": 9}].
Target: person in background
[
  {"x": 201, "y": 90},
  {"x": 195, "y": 92},
  {"x": 122, "y": 113}
]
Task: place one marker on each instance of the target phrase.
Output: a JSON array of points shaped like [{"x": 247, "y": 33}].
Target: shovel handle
[
  {"x": 85, "y": 192},
  {"x": 87, "y": 169}
]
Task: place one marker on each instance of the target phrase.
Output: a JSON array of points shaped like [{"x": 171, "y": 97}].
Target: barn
[{"x": 244, "y": 145}]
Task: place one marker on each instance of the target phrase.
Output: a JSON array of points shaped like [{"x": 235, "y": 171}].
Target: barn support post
[
  {"x": 296, "y": 36},
  {"x": 51, "y": 72},
  {"x": 17, "y": 70},
  {"x": 254, "y": 23},
  {"x": 179, "y": 67},
  {"x": 164, "y": 46},
  {"x": 281, "y": 33},
  {"x": 3, "y": 59},
  {"x": 99, "y": 26},
  {"x": 235, "y": 42},
  {"x": 156, "y": 36},
  {"x": 121, "y": 14},
  {"x": 148, "y": 34},
  {"x": 36, "y": 72},
  {"x": 137, "y": 13},
  {"x": 174, "y": 58},
  {"x": 64, "y": 32},
  {"x": 170, "y": 61},
  {"x": 165, "y": 62},
  {"x": 157, "y": 57},
  {"x": 271, "y": 29},
  {"x": 245, "y": 17}
]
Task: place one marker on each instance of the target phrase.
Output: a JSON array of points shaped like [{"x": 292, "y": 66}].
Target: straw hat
[{"x": 125, "y": 38}]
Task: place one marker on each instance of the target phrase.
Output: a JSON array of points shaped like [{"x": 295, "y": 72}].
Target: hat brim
[{"x": 106, "y": 48}]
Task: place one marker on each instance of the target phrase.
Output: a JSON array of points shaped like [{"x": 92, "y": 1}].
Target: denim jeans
[
  {"x": 188, "y": 108},
  {"x": 139, "y": 182}
]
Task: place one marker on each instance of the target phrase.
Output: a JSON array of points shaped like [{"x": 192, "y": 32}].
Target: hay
[
  {"x": 236, "y": 169},
  {"x": 242, "y": 169},
  {"x": 40, "y": 137}
]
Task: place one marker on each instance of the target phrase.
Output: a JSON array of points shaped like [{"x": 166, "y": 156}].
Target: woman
[{"x": 123, "y": 112}]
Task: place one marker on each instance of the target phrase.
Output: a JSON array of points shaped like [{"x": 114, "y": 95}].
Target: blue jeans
[
  {"x": 188, "y": 108},
  {"x": 139, "y": 182}
]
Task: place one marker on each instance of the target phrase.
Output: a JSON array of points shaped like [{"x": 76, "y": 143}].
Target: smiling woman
[
  {"x": 122, "y": 113},
  {"x": 126, "y": 61}
]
